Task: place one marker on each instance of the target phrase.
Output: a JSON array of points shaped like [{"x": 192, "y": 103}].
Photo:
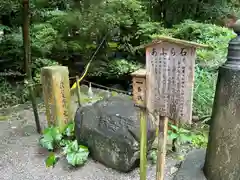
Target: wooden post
[
  {"x": 78, "y": 91},
  {"x": 56, "y": 92},
  {"x": 143, "y": 143},
  {"x": 139, "y": 91},
  {"x": 162, "y": 141},
  {"x": 27, "y": 61}
]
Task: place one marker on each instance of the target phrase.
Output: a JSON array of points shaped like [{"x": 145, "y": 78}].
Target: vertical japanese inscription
[{"x": 64, "y": 102}]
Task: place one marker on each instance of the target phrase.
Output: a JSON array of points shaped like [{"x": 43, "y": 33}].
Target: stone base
[{"x": 191, "y": 168}]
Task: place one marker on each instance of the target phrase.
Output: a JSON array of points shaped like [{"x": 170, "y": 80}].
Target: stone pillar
[
  {"x": 56, "y": 93},
  {"x": 223, "y": 152}
]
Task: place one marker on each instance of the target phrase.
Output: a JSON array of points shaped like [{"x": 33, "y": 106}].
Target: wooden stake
[
  {"x": 78, "y": 91},
  {"x": 27, "y": 62},
  {"x": 162, "y": 141},
  {"x": 143, "y": 144}
]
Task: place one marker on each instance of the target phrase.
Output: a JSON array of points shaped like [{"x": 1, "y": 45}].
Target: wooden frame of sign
[
  {"x": 139, "y": 87},
  {"x": 170, "y": 66}
]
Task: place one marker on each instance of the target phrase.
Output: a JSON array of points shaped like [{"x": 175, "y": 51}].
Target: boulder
[{"x": 110, "y": 128}]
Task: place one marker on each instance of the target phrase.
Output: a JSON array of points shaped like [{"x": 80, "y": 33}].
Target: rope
[
  {"x": 96, "y": 84},
  {"x": 88, "y": 64},
  {"x": 109, "y": 88}
]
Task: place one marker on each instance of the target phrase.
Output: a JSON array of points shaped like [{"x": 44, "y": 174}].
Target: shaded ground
[{"x": 21, "y": 158}]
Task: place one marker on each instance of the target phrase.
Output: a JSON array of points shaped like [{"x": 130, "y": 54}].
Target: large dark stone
[{"x": 111, "y": 130}]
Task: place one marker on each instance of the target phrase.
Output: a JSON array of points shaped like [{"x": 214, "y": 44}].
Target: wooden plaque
[
  {"x": 170, "y": 79},
  {"x": 139, "y": 87}
]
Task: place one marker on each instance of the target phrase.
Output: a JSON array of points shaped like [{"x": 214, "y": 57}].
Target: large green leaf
[
  {"x": 70, "y": 130},
  {"x": 172, "y": 135},
  {"x": 77, "y": 158},
  {"x": 76, "y": 154},
  {"x": 64, "y": 142},
  {"x": 47, "y": 141},
  {"x": 51, "y": 137}
]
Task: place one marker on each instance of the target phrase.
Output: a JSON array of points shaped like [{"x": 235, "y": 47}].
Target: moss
[{"x": 4, "y": 118}]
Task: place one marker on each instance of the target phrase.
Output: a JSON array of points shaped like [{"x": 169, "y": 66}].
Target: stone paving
[{"x": 21, "y": 158}]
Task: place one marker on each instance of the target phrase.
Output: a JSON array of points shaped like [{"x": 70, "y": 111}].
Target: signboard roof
[
  {"x": 140, "y": 73},
  {"x": 161, "y": 39}
]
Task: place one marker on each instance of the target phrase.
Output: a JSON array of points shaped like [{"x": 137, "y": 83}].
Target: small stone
[
  {"x": 173, "y": 170},
  {"x": 195, "y": 118}
]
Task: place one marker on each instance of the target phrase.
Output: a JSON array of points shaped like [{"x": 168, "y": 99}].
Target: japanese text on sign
[{"x": 170, "y": 71}]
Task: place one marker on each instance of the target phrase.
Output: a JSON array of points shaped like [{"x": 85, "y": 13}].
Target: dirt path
[{"x": 21, "y": 158}]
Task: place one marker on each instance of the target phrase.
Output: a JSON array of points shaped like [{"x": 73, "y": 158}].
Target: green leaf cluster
[
  {"x": 52, "y": 140},
  {"x": 182, "y": 135},
  {"x": 76, "y": 154}
]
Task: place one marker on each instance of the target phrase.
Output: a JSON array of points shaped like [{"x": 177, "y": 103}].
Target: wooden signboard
[
  {"x": 170, "y": 78},
  {"x": 139, "y": 87}
]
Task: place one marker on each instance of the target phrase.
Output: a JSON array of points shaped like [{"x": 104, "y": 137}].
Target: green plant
[
  {"x": 52, "y": 140},
  {"x": 153, "y": 157},
  {"x": 12, "y": 93},
  {"x": 76, "y": 154},
  {"x": 183, "y": 135},
  {"x": 38, "y": 64},
  {"x": 114, "y": 68},
  {"x": 204, "y": 91},
  {"x": 200, "y": 140},
  {"x": 215, "y": 36}
]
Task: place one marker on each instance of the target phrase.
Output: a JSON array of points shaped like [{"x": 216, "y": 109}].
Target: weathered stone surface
[
  {"x": 191, "y": 168},
  {"x": 111, "y": 130},
  {"x": 223, "y": 157},
  {"x": 56, "y": 93}
]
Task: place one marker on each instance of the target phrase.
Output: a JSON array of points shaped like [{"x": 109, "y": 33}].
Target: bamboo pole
[
  {"x": 27, "y": 61},
  {"x": 162, "y": 141},
  {"x": 143, "y": 144},
  {"x": 78, "y": 91}
]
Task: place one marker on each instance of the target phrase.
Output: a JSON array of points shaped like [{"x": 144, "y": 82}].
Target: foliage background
[{"x": 68, "y": 31}]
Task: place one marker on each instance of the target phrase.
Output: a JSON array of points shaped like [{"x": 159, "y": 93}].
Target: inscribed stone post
[{"x": 56, "y": 92}]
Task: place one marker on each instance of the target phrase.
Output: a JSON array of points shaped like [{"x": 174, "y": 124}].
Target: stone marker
[
  {"x": 223, "y": 151},
  {"x": 111, "y": 130},
  {"x": 56, "y": 93}
]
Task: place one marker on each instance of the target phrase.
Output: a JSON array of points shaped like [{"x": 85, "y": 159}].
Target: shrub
[
  {"x": 114, "y": 69},
  {"x": 38, "y": 64},
  {"x": 204, "y": 91},
  {"x": 11, "y": 50},
  {"x": 214, "y": 36},
  {"x": 12, "y": 94}
]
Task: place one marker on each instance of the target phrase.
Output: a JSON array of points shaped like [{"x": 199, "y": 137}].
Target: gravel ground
[{"x": 21, "y": 158}]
